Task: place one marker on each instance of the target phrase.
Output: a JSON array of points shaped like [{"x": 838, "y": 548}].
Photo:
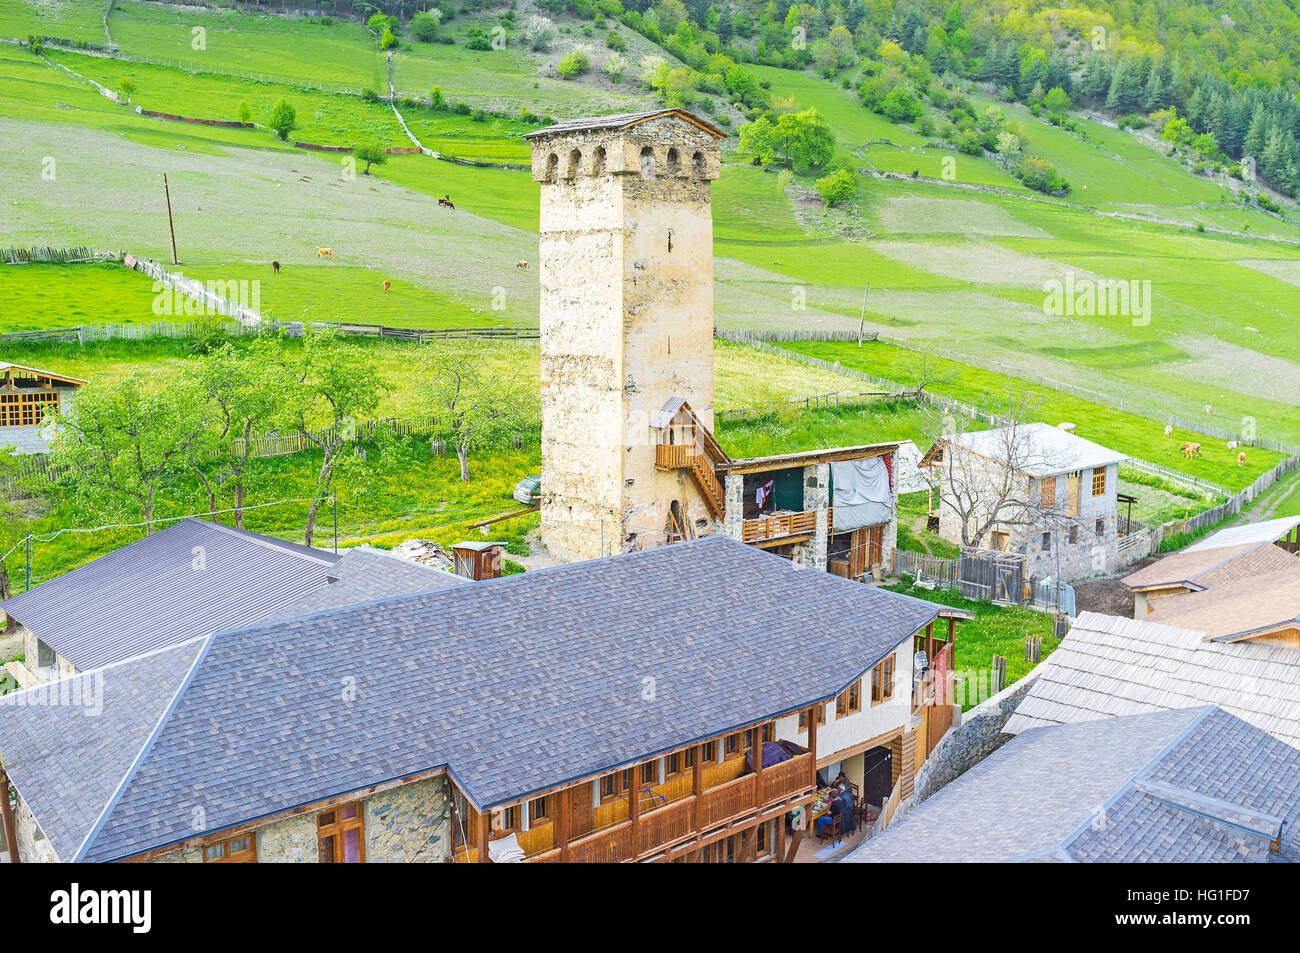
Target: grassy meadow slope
[{"x": 958, "y": 266}]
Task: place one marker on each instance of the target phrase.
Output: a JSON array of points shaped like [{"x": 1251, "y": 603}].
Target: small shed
[
  {"x": 478, "y": 560},
  {"x": 27, "y": 396}
]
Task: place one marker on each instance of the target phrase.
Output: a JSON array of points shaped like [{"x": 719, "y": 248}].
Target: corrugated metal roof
[
  {"x": 517, "y": 684},
  {"x": 1267, "y": 531},
  {"x": 1193, "y": 785},
  {"x": 187, "y": 580},
  {"x": 1041, "y": 449}
]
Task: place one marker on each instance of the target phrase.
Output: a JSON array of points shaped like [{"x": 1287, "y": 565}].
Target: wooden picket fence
[{"x": 51, "y": 255}]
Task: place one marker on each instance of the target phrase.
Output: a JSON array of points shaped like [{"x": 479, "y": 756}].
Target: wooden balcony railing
[
  {"x": 672, "y": 456},
  {"x": 782, "y": 524},
  {"x": 676, "y": 820}
]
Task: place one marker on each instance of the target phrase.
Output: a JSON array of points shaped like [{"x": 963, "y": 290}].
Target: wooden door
[
  {"x": 876, "y": 554},
  {"x": 580, "y": 817}
]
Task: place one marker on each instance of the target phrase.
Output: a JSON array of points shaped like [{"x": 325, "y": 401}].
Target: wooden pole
[
  {"x": 6, "y": 809},
  {"x": 697, "y": 786},
  {"x": 634, "y": 810},
  {"x": 484, "y": 830},
  {"x": 812, "y": 743},
  {"x": 171, "y": 229},
  {"x": 562, "y": 822}
]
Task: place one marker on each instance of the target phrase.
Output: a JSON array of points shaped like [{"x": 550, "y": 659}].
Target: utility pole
[
  {"x": 171, "y": 228},
  {"x": 28, "y": 583},
  {"x": 334, "y": 502},
  {"x": 863, "y": 319}
]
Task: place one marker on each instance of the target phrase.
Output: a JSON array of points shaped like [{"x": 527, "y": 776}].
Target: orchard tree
[
  {"x": 477, "y": 398},
  {"x": 333, "y": 386},
  {"x": 370, "y": 154},
  {"x": 127, "y": 438},
  {"x": 247, "y": 389}
]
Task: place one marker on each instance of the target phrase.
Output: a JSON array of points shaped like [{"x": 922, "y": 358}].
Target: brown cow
[
  {"x": 387, "y": 284},
  {"x": 1191, "y": 450}
]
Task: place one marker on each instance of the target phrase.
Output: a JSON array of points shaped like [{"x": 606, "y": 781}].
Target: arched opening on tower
[
  {"x": 647, "y": 163},
  {"x": 552, "y": 166},
  {"x": 575, "y": 163},
  {"x": 598, "y": 161},
  {"x": 697, "y": 165},
  {"x": 674, "y": 163}
]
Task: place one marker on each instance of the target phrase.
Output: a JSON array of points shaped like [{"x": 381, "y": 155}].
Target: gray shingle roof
[
  {"x": 1189, "y": 785},
  {"x": 517, "y": 684},
  {"x": 364, "y": 575},
  {"x": 187, "y": 580},
  {"x": 71, "y": 743},
  {"x": 1109, "y": 666}
]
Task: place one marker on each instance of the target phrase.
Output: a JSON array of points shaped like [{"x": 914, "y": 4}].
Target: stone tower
[{"x": 626, "y": 268}]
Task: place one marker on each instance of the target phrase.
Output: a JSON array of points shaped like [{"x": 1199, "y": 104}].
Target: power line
[{"x": 160, "y": 519}]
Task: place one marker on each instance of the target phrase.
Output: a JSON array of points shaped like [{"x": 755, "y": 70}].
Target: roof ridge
[
  {"x": 1184, "y": 799},
  {"x": 143, "y": 752},
  {"x": 259, "y": 539}
]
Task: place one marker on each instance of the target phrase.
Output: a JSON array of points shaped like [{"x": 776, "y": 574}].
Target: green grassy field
[{"x": 1128, "y": 433}]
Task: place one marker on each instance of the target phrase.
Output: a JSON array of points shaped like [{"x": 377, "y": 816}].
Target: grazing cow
[
  {"x": 522, "y": 264},
  {"x": 446, "y": 201},
  {"x": 275, "y": 267},
  {"x": 1241, "y": 459},
  {"x": 387, "y": 284},
  {"x": 1233, "y": 444},
  {"x": 1191, "y": 450},
  {"x": 1209, "y": 409},
  {"x": 1169, "y": 430},
  {"x": 323, "y": 252}
]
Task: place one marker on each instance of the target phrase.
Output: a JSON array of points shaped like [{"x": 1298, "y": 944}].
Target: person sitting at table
[{"x": 835, "y": 809}]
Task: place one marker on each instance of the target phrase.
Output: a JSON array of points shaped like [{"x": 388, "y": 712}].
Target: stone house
[
  {"x": 620, "y": 709},
  {"x": 27, "y": 395},
  {"x": 1049, "y": 495}
]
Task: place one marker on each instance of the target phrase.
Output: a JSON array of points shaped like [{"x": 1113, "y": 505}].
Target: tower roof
[{"x": 624, "y": 121}]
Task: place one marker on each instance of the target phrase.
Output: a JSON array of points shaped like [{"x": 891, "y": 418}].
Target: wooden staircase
[{"x": 701, "y": 458}]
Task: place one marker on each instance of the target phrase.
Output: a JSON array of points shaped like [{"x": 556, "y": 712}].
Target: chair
[{"x": 829, "y": 827}]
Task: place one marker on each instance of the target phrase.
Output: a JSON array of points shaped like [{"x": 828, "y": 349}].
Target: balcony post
[
  {"x": 812, "y": 743},
  {"x": 634, "y": 810},
  {"x": 758, "y": 766},
  {"x": 561, "y": 828},
  {"x": 697, "y": 786},
  {"x": 484, "y": 828}
]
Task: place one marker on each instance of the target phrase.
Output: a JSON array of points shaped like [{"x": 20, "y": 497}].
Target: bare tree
[{"x": 990, "y": 473}]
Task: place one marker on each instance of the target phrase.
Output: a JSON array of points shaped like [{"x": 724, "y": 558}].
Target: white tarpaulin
[{"x": 861, "y": 493}]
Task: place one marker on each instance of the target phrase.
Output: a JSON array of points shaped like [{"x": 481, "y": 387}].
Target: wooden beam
[
  {"x": 812, "y": 743},
  {"x": 697, "y": 786},
  {"x": 503, "y": 516},
  {"x": 484, "y": 835},
  {"x": 634, "y": 809},
  {"x": 7, "y": 810},
  {"x": 563, "y": 822}
]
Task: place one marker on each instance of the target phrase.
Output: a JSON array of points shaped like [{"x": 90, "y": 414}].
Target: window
[
  {"x": 1098, "y": 481},
  {"x": 1101, "y": 526},
  {"x": 850, "y": 699},
  {"x": 747, "y": 738},
  {"x": 769, "y": 732},
  {"x": 1074, "y": 533},
  {"x": 709, "y": 752},
  {"x": 731, "y": 747},
  {"x": 539, "y": 811},
  {"x": 506, "y": 819},
  {"x": 232, "y": 850},
  {"x": 647, "y": 163},
  {"x": 1047, "y": 542},
  {"x": 821, "y": 717},
  {"x": 340, "y": 835},
  {"x": 45, "y": 657},
  {"x": 882, "y": 681},
  {"x": 27, "y": 410},
  {"x": 1047, "y": 492},
  {"x": 674, "y": 162},
  {"x": 650, "y": 773},
  {"x": 613, "y": 785}
]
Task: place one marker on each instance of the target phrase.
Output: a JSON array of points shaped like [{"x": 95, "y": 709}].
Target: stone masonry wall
[
  {"x": 406, "y": 824},
  {"x": 626, "y": 267}
]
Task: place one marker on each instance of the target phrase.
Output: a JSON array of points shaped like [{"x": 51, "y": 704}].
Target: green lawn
[
  {"x": 1138, "y": 436},
  {"x": 995, "y": 630},
  {"x": 77, "y": 20}
]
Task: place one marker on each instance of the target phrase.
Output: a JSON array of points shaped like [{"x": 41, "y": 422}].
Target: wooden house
[{"x": 28, "y": 396}]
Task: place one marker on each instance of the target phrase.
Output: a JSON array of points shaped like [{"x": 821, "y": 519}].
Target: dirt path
[{"x": 1282, "y": 500}]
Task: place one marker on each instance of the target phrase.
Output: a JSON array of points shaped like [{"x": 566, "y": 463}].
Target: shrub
[
  {"x": 387, "y": 41},
  {"x": 370, "y": 96},
  {"x": 573, "y": 64},
  {"x": 424, "y": 25},
  {"x": 616, "y": 42},
  {"x": 435, "y": 97},
  {"x": 284, "y": 119},
  {"x": 900, "y": 105},
  {"x": 1040, "y": 175}
]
